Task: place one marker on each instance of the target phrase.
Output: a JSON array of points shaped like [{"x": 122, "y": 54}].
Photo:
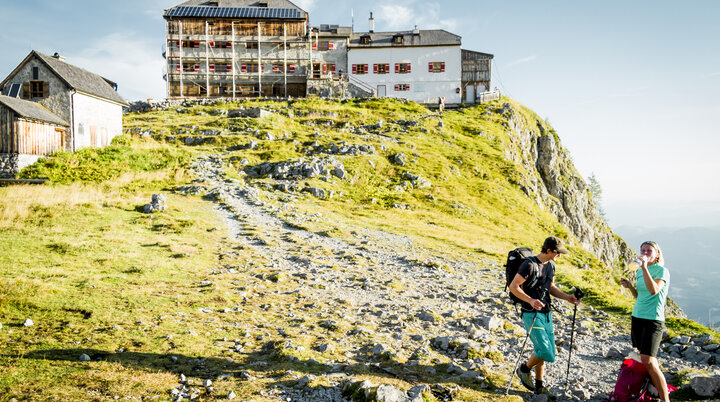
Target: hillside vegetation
[{"x": 131, "y": 291}]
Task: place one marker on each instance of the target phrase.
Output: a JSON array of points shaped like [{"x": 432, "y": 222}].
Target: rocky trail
[{"x": 379, "y": 302}]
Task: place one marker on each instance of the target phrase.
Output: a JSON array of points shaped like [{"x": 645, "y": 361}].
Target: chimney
[
  {"x": 57, "y": 56},
  {"x": 416, "y": 31},
  {"x": 372, "y": 23}
]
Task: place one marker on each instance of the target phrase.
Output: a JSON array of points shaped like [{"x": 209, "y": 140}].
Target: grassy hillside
[{"x": 96, "y": 275}]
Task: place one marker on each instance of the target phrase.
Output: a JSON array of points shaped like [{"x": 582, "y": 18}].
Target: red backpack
[{"x": 633, "y": 383}]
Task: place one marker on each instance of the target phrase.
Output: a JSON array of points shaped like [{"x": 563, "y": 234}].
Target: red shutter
[
  {"x": 397, "y": 68},
  {"x": 212, "y": 67},
  {"x": 197, "y": 67},
  {"x": 408, "y": 67},
  {"x": 291, "y": 68},
  {"x": 276, "y": 68},
  {"x": 442, "y": 67},
  {"x": 212, "y": 43},
  {"x": 228, "y": 67},
  {"x": 314, "y": 46},
  {"x": 178, "y": 68},
  {"x": 430, "y": 67},
  {"x": 375, "y": 68},
  {"x": 332, "y": 66},
  {"x": 331, "y": 46},
  {"x": 324, "y": 68},
  {"x": 196, "y": 44},
  {"x": 354, "y": 68},
  {"x": 243, "y": 68},
  {"x": 397, "y": 87}
]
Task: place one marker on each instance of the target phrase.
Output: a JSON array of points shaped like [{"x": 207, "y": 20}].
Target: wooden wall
[{"x": 21, "y": 136}]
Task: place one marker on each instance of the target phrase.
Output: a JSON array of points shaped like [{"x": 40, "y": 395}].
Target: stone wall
[
  {"x": 328, "y": 88},
  {"x": 10, "y": 164}
]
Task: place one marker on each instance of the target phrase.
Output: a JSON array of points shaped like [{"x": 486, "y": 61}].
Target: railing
[
  {"x": 360, "y": 83},
  {"x": 488, "y": 96}
]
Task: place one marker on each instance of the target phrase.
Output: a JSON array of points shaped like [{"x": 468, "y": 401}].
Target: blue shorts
[{"x": 542, "y": 335}]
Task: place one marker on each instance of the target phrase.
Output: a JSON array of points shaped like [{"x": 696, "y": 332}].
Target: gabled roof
[
  {"x": 31, "y": 110},
  {"x": 75, "y": 77},
  {"x": 427, "y": 37},
  {"x": 275, "y": 9}
]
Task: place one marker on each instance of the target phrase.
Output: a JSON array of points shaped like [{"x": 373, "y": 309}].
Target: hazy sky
[{"x": 632, "y": 87}]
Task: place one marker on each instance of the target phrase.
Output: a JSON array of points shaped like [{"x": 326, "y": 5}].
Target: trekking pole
[
  {"x": 578, "y": 295},
  {"x": 522, "y": 351}
]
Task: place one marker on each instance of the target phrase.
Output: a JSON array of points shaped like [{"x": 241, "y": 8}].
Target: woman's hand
[{"x": 626, "y": 283}]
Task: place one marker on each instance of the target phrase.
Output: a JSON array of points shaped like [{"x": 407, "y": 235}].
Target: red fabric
[{"x": 631, "y": 385}]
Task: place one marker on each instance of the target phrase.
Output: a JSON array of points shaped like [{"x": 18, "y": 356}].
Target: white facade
[
  {"x": 95, "y": 121},
  {"x": 419, "y": 85}
]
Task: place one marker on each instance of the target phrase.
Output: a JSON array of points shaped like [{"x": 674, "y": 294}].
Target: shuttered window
[
  {"x": 359, "y": 68},
  {"x": 436, "y": 67},
  {"x": 402, "y": 87},
  {"x": 39, "y": 89},
  {"x": 381, "y": 68},
  {"x": 402, "y": 68}
]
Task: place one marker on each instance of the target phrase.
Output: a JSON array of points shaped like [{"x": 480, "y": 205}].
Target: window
[
  {"x": 402, "y": 68},
  {"x": 381, "y": 68},
  {"x": 191, "y": 43},
  {"x": 436, "y": 67},
  {"x": 365, "y": 40},
  {"x": 191, "y": 67},
  {"x": 328, "y": 69},
  {"x": 220, "y": 67},
  {"x": 36, "y": 73},
  {"x": 249, "y": 68},
  {"x": 359, "y": 68},
  {"x": 397, "y": 39},
  {"x": 37, "y": 89},
  {"x": 251, "y": 45},
  {"x": 221, "y": 45},
  {"x": 323, "y": 45},
  {"x": 402, "y": 87}
]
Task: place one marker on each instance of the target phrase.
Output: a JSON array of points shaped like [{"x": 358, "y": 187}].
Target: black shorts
[{"x": 646, "y": 335}]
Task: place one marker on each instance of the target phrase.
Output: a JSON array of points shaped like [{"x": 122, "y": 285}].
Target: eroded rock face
[{"x": 552, "y": 180}]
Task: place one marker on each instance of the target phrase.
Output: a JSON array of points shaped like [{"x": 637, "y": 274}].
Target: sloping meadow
[{"x": 99, "y": 300}]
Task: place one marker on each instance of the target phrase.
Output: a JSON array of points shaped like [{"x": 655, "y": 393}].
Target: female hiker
[{"x": 648, "y": 316}]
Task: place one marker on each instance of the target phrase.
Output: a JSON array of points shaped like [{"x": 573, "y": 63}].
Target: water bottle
[{"x": 635, "y": 264}]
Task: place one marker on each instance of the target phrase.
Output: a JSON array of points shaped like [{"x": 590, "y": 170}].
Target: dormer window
[
  {"x": 365, "y": 40},
  {"x": 212, "y": 3},
  {"x": 397, "y": 39},
  {"x": 262, "y": 4}
]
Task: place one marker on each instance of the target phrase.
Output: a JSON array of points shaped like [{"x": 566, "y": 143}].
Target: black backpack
[{"x": 515, "y": 259}]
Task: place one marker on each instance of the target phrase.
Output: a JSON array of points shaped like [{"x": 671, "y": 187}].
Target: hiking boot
[
  {"x": 544, "y": 391},
  {"x": 525, "y": 379}
]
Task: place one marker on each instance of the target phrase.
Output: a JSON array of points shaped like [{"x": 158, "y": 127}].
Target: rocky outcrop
[{"x": 552, "y": 180}]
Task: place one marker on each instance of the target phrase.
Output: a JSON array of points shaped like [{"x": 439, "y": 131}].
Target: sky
[{"x": 631, "y": 87}]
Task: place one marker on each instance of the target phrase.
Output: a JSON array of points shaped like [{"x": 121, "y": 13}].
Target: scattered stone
[
  {"x": 157, "y": 204},
  {"x": 28, "y": 323},
  {"x": 84, "y": 358}
]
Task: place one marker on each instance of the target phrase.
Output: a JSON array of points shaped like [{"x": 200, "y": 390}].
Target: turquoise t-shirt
[{"x": 647, "y": 306}]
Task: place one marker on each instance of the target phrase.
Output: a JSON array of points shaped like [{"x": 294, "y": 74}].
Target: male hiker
[{"x": 540, "y": 271}]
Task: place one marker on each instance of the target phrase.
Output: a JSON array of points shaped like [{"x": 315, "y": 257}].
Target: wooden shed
[{"x": 29, "y": 128}]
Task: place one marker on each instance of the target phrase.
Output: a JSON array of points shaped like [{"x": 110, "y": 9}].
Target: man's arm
[
  {"x": 517, "y": 291},
  {"x": 555, "y": 291}
]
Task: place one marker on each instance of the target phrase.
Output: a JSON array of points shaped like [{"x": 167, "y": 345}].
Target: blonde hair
[{"x": 659, "y": 260}]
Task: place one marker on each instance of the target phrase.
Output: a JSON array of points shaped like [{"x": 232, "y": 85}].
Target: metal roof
[
  {"x": 430, "y": 37},
  {"x": 31, "y": 110},
  {"x": 234, "y": 12}
]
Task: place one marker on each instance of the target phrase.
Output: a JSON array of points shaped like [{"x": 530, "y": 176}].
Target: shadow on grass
[{"x": 272, "y": 364}]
